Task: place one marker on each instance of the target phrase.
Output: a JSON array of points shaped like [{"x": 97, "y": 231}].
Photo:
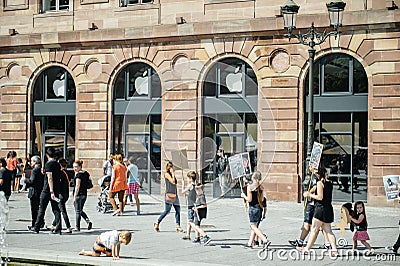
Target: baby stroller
[{"x": 103, "y": 204}]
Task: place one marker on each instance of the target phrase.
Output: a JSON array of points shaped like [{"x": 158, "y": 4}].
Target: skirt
[
  {"x": 133, "y": 188},
  {"x": 361, "y": 235}
]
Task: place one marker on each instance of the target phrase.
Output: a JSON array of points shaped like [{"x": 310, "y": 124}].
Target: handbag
[
  {"x": 31, "y": 192},
  {"x": 170, "y": 197},
  {"x": 89, "y": 183}
]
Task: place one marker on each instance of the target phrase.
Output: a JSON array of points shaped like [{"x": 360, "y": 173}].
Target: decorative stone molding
[
  {"x": 10, "y": 5},
  {"x": 280, "y": 61}
]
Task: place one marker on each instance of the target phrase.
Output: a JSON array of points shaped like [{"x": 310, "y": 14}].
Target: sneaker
[
  {"x": 186, "y": 237},
  {"x": 325, "y": 246},
  {"x": 247, "y": 247},
  {"x": 156, "y": 227},
  {"x": 131, "y": 204},
  {"x": 196, "y": 240},
  {"x": 255, "y": 243},
  {"x": 68, "y": 231},
  {"x": 266, "y": 245},
  {"x": 179, "y": 229},
  {"x": 115, "y": 212},
  {"x": 295, "y": 243},
  {"x": 89, "y": 226},
  {"x": 206, "y": 240},
  {"x": 138, "y": 213}
]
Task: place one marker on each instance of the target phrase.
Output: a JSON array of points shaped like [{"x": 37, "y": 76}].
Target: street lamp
[{"x": 312, "y": 38}]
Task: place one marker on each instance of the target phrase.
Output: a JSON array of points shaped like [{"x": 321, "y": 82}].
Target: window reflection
[
  {"x": 229, "y": 77},
  {"x": 137, "y": 80}
]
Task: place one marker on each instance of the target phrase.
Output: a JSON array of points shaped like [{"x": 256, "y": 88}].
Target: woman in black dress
[{"x": 323, "y": 214}]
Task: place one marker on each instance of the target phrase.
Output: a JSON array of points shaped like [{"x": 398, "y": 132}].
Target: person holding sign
[
  {"x": 255, "y": 196},
  {"x": 323, "y": 213}
]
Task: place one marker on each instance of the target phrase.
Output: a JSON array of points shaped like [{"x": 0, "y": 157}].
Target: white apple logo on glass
[
  {"x": 234, "y": 80},
  {"x": 142, "y": 84},
  {"x": 58, "y": 86}
]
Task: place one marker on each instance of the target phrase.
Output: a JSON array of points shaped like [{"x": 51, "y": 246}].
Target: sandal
[{"x": 156, "y": 227}]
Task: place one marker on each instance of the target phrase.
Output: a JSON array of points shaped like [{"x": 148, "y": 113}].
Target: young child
[
  {"x": 200, "y": 211},
  {"x": 360, "y": 225},
  {"x": 190, "y": 192},
  {"x": 109, "y": 243}
]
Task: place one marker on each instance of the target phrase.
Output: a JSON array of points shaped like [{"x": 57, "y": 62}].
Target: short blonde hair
[{"x": 126, "y": 235}]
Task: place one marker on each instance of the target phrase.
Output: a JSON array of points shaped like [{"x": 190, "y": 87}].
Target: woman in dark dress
[
  {"x": 35, "y": 185},
  {"x": 5, "y": 178},
  {"x": 323, "y": 214}
]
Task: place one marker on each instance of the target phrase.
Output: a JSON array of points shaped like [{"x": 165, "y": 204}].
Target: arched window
[
  {"x": 137, "y": 80},
  {"x": 53, "y": 113},
  {"x": 341, "y": 123},
  {"x": 229, "y": 119},
  {"x": 137, "y": 121},
  {"x": 230, "y": 77}
]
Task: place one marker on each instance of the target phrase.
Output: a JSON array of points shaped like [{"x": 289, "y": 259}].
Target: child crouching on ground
[
  {"x": 109, "y": 243},
  {"x": 200, "y": 210}
]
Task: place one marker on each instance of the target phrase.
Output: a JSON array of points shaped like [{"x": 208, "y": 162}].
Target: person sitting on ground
[{"x": 109, "y": 243}]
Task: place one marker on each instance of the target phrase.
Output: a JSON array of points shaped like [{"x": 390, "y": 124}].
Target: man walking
[{"x": 51, "y": 188}]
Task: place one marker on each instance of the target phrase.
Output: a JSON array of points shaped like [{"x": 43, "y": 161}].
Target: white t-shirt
[
  {"x": 108, "y": 166},
  {"x": 109, "y": 238}
]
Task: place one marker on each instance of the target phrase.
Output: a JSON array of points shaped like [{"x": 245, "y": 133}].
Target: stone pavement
[{"x": 227, "y": 225}]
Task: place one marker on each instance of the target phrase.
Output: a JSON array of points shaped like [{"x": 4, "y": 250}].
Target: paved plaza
[{"x": 227, "y": 224}]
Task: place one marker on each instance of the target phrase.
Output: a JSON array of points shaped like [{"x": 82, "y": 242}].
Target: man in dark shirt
[{"x": 51, "y": 188}]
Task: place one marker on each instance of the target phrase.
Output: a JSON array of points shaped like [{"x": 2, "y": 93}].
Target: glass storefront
[
  {"x": 341, "y": 123},
  {"x": 229, "y": 123},
  {"x": 137, "y": 122},
  {"x": 53, "y": 122}
]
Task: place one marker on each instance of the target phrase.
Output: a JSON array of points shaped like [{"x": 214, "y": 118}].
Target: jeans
[
  {"x": 167, "y": 210},
  {"x": 63, "y": 210},
  {"x": 45, "y": 198},
  {"x": 79, "y": 203}
]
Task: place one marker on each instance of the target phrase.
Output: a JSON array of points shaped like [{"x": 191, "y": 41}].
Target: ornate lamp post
[{"x": 312, "y": 38}]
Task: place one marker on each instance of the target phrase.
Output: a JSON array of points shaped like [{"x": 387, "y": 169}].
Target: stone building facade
[{"x": 101, "y": 76}]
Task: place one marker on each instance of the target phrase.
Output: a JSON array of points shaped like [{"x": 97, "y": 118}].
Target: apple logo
[
  {"x": 142, "y": 84},
  {"x": 234, "y": 80},
  {"x": 58, "y": 86}
]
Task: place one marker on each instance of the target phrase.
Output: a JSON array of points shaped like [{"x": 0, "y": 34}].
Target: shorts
[
  {"x": 197, "y": 221},
  {"x": 98, "y": 248},
  {"x": 255, "y": 214},
  {"x": 190, "y": 214},
  {"x": 133, "y": 188},
  {"x": 309, "y": 213}
]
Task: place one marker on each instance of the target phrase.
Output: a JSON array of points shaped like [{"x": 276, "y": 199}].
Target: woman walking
[
  {"x": 35, "y": 185},
  {"x": 323, "y": 214},
  {"x": 171, "y": 199},
  {"x": 255, "y": 197},
  {"x": 118, "y": 184},
  {"x": 80, "y": 195}
]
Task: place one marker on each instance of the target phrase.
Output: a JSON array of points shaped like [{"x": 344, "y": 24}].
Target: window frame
[
  {"x": 125, "y": 3},
  {"x": 57, "y": 8}
]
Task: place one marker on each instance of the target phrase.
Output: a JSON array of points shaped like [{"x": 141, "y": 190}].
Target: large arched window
[
  {"x": 54, "y": 113},
  {"x": 229, "y": 119},
  {"x": 341, "y": 123},
  {"x": 137, "y": 121}
]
